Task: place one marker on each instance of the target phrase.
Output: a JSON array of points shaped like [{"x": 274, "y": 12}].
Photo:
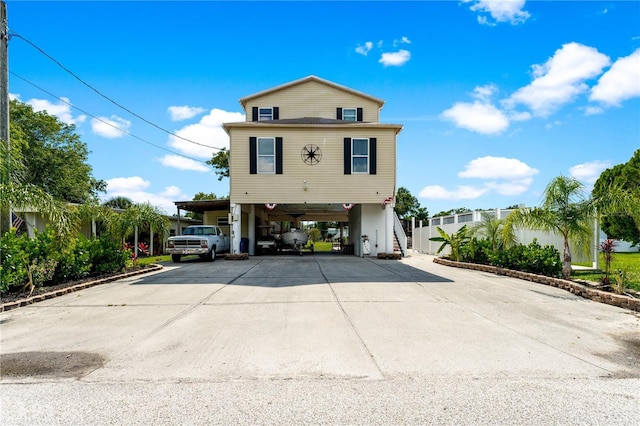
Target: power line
[
  {"x": 108, "y": 98},
  {"x": 103, "y": 121}
]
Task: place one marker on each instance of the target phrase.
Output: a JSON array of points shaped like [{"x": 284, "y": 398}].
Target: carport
[{"x": 218, "y": 212}]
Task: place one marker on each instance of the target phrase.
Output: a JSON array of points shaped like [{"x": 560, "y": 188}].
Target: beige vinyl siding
[
  {"x": 326, "y": 181},
  {"x": 211, "y": 218},
  {"x": 314, "y": 99}
]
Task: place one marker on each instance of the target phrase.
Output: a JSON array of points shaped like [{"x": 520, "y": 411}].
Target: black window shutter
[
  {"x": 358, "y": 114},
  {"x": 254, "y": 114},
  {"x": 253, "y": 155},
  {"x": 278, "y": 155},
  {"x": 339, "y": 114},
  {"x": 373, "y": 153},
  {"x": 276, "y": 113},
  {"x": 347, "y": 156}
]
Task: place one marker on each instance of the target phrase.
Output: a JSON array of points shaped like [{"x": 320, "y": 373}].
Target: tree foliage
[
  {"x": 220, "y": 163},
  {"x": 54, "y": 157},
  {"x": 459, "y": 210},
  {"x": 619, "y": 224},
  {"x": 204, "y": 196},
  {"x": 119, "y": 202},
  {"x": 408, "y": 206},
  {"x": 17, "y": 194}
]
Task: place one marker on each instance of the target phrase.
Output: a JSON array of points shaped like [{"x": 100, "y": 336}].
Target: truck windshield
[{"x": 204, "y": 230}]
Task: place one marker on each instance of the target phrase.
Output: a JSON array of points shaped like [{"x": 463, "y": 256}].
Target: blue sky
[{"x": 496, "y": 97}]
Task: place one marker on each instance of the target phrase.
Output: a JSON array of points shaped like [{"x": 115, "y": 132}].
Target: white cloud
[
  {"x": 500, "y": 11},
  {"x": 208, "y": 131},
  {"x": 497, "y": 168},
  {"x": 620, "y": 82},
  {"x": 484, "y": 93},
  {"x": 504, "y": 176},
  {"x": 559, "y": 80},
  {"x": 182, "y": 163},
  {"x": 478, "y": 117},
  {"x": 364, "y": 50},
  {"x": 184, "y": 112},
  {"x": 135, "y": 187},
  {"x": 62, "y": 110},
  {"x": 395, "y": 59},
  {"x": 437, "y": 192},
  {"x": 593, "y": 110},
  {"x": 403, "y": 40},
  {"x": 110, "y": 127},
  {"x": 515, "y": 187},
  {"x": 589, "y": 172}
]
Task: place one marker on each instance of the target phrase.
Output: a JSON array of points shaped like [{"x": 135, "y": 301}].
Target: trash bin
[{"x": 244, "y": 245}]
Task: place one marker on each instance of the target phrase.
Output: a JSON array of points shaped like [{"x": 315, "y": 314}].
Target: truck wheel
[
  {"x": 212, "y": 255},
  {"x": 175, "y": 258}
]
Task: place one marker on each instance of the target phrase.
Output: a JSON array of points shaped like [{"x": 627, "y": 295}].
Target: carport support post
[
  {"x": 252, "y": 229},
  {"x": 236, "y": 227},
  {"x": 388, "y": 218},
  {"x": 413, "y": 233}
]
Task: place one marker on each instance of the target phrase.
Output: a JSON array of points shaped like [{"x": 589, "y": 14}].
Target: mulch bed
[{"x": 14, "y": 299}]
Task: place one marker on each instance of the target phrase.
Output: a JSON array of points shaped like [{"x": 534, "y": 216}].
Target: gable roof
[{"x": 243, "y": 101}]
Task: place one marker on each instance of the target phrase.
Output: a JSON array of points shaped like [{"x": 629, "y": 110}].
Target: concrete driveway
[{"x": 320, "y": 339}]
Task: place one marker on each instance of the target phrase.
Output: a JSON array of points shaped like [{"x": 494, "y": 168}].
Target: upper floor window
[
  {"x": 265, "y": 113},
  {"x": 349, "y": 114},
  {"x": 360, "y": 156},
  {"x": 266, "y": 155}
]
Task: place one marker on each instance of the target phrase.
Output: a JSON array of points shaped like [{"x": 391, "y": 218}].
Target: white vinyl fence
[{"x": 450, "y": 224}]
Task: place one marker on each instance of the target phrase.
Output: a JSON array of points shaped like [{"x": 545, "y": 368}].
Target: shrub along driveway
[{"x": 331, "y": 339}]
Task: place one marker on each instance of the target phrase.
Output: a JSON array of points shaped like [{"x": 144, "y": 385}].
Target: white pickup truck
[{"x": 204, "y": 240}]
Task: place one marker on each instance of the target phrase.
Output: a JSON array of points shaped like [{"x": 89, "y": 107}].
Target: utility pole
[{"x": 5, "y": 214}]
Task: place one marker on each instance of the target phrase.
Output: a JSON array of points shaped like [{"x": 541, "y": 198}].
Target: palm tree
[
  {"x": 564, "y": 210},
  {"x": 118, "y": 202},
  {"x": 455, "y": 240},
  {"x": 122, "y": 225},
  {"x": 496, "y": 230}
]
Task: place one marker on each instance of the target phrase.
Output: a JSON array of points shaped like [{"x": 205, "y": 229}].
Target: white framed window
[
  {"x": 360, "y": 155},
  {"x": 265, "y": 113},
  {"x": 349, "y": 114},
  {"x": 266, "y": 155},
  {"x": 222, "y": 221}
]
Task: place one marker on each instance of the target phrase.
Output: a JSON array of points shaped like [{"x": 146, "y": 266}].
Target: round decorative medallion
[{"x": 311, "y": 154}]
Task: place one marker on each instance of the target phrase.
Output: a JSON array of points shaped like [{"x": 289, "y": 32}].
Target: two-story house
[{"x": 313, "y": 150}]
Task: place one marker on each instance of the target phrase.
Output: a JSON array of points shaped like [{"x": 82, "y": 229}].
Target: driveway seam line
[{"x": 350, "y": 322}]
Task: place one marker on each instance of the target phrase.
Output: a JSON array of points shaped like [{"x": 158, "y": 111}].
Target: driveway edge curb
[
  {"x": 77, "y": 287},
  {"x": 578, "y": 289}
]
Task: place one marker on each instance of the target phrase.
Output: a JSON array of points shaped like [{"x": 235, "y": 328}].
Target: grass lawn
[
  {"x": 322, "y": 246},
  {"x": 153, "y": 259},
  {"x": 627, "y": 262}
]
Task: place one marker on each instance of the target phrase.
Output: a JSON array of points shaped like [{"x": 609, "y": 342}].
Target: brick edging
[
  {"x": 578, "y": 289},
  {"x": 81, "y": 286}
]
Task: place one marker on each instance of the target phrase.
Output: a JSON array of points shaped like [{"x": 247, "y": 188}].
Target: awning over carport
[{"x": 201, "y": 206}]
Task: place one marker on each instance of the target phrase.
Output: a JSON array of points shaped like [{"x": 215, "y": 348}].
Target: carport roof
[{"x": 201, "y": 206}]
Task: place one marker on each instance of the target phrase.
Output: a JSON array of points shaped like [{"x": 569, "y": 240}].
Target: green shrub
[
  {"x": 14, "y": 260},
  {"x": 531, "y": 258},
  {"x": 75, "y": 262},
  {"x": 476, "y": 251},
  {"x": 51, "y": 263},
  {"x": 106, "y": 256}
]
